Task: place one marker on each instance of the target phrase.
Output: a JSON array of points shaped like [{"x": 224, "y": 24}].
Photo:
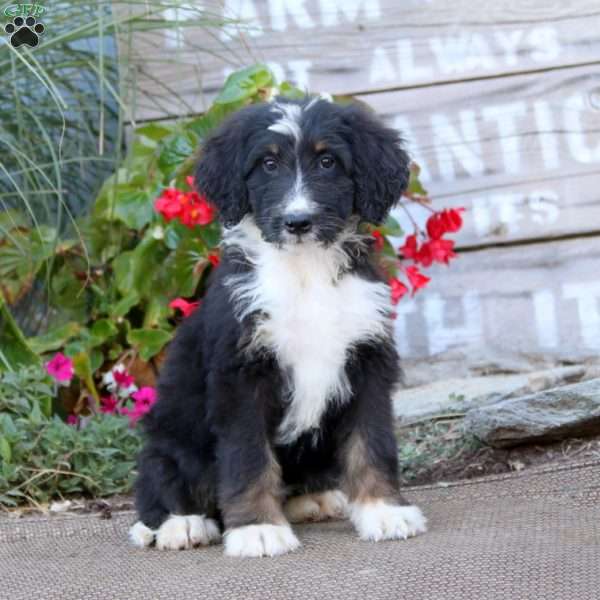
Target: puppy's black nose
[{"x": 298, "y": 223}]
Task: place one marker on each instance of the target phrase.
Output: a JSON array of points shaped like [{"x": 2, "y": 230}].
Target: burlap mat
[{"x": 533, "y": 535}]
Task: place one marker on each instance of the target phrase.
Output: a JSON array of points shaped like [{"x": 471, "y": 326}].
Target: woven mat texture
[{"x": 533, "y": 535}]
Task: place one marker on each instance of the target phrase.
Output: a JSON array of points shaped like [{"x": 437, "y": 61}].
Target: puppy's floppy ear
[
  {"x": 380, "y": 165},
  {"x": 220, "y": 170}
]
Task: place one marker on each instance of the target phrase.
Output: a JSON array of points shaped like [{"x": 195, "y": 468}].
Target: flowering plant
[{"x": 123, "y": 395}]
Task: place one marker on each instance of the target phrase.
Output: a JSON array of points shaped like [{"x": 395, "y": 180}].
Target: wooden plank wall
[{"x": 499, "y": 101}]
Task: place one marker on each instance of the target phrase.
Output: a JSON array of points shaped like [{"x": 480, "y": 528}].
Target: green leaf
[
  {"x": 414, "y": 184},
  {"x": 14, "y": 349},
  {"x": 96, "y": 359},
  {"x": 5, "y": 451},
  {"x": 244, "y": 85},
  {"x": 11, "y": 219},
  {"x": 134, "y": 208},
  {"x": 7, "y": 425},
  {"x": 391, "y": 228},
  {"x": 55, "y": 338},
  {"x": 211, "y": 234},
  {"x": 157, "y": 312},
  {"x": 137, "y": 269},
  {"x": 287, "y": 90},
  {"x": 103, "y": 329},
  {"x": 69, "y": 294},
  {"x": 83, "y": 369},
  {"x": 125, "y": 304},
  {"x": 174, "y": 151},
  {"x": 36, "y": 416},
  {"x": 149, "y": 342},
  {"x": 154, "y": 131}
]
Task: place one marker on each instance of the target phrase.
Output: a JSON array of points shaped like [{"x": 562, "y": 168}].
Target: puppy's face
[
  {"x": 299, "y": 175},
  {"x": 303, "y": 170}
]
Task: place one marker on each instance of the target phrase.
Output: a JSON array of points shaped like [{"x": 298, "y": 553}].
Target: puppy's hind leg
[{"x": 320, "y": 506}]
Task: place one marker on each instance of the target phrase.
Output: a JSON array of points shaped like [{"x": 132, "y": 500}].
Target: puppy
[{"x": 274, "y": 402}]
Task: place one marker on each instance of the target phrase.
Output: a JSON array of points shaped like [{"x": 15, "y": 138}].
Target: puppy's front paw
[
  {"x": 183, "y": 532},
  {"x": 260, "y": 540},
  {"x": 375, "y": 521}
]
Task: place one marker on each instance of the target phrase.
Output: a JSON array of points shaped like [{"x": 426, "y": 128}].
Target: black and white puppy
[{"x": 274, "y": 402}]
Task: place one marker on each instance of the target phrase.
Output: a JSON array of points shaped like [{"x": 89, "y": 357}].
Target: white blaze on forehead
[{"x": 289, "y": 123}]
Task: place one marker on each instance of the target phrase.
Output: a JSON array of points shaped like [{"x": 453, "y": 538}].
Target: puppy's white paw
[
  {"x": 375, "y": 521},
  {"x": 317, "y": 507},
  {"x": 183, "y": 532},
  {"x": 140, "y": 535},
  {"x": 260, "y": 540}
]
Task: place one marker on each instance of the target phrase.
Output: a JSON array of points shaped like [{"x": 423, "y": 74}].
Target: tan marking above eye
[
  {"x": 273, "y": 148},
  {"x": 320, "y": 146}
]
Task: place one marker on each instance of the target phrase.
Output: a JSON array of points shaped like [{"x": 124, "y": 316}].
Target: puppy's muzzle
[{"x": 298, "y": 223}]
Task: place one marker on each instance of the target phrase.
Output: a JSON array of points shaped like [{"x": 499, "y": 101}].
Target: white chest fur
[{"x": 312, "y": 319}]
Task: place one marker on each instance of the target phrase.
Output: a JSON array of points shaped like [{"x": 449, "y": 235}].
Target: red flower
[
  {"x": 379, "y": 240},
  {"x": 398, "y": 289},
  {"x": 416, "y": 278},
  {"x": 60, "y": 368},
  {"x": 72, "y": 420},
  {"x": 108, "y": 405},
  {"x": 410, "y": 248},
  {"x": 190, "y": 181},
  {"x": 189, "y": 207},
  {"x": 424, "y": 255},
  {"x": 197, "y": 211},
  {"x": 187, "y": 308},
  {"x": 442, "y": 250},
  {"x": 452, "y": 219},
  {"x": 169, "y": 203},
  {"x": 436, "y": 227},
  {"x": 436, "y": 251},
  {"x": 214, "y": 259}
]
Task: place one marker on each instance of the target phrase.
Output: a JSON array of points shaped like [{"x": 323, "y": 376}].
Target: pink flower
[
  {"x": 187, "y": 308},
  {"x": 72, "y": 420},
  {"x": 60, "y": 368},
  {"x": 144, "y": 399},
  {"x": 122, "y": 378},
  {"x": 108, "y": 405}
]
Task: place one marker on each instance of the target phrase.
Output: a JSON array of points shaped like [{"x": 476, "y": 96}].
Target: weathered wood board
[
  {"x": 532, "y": 299},
  {"x": 523, "y": 154},
  {"x": 352, "y": 46}
]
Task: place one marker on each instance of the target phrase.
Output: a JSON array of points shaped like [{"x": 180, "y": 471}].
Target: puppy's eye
[
  {"x": 326, "y": 161},
  {"x": 270, "y": 164}
]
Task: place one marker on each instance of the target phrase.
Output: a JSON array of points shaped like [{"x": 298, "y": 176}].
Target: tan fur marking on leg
[
  {"x": 262, "y": 501},
  {"x": 362, "y": 482}
]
